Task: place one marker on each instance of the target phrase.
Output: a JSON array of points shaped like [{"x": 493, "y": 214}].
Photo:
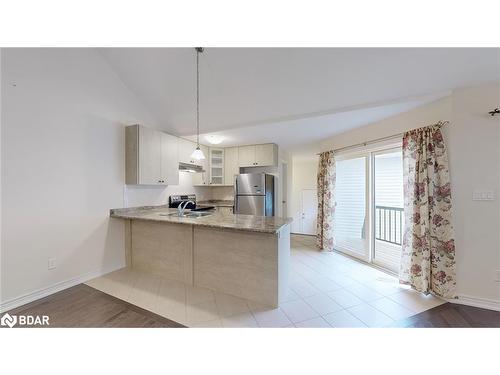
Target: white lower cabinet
[{"x": 225, "y": 210}]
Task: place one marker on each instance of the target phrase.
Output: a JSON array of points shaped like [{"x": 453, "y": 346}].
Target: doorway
[
  {"x": 284, "y": 189},
  {"x": 368, "y": 219},
  {"x": 308, "y": 211}
]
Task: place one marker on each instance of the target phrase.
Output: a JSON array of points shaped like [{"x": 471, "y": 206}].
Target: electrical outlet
[{"x": 52, "y": 263}]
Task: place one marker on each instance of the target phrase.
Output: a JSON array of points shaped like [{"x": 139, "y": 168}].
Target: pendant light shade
[{"x": 197, "y": 153}]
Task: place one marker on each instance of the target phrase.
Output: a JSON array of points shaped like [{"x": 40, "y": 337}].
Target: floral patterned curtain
[
  {"x": 428, "y": 255},
  {"x": 326, "y": 200}
]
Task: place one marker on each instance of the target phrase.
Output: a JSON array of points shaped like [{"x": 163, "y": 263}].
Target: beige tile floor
[{"x": 326, "y": 290}]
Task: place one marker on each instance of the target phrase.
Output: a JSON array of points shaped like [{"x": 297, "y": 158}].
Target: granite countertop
[
  {"x": 249, "y": 223},
  {"x": 217, "y": 203}
]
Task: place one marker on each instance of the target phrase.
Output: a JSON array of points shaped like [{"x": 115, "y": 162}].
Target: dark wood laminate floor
[
  {"x": 450, "y": 315},
  {"x": 83, "y": 306}
]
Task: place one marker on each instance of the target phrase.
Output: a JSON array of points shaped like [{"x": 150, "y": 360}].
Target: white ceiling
[
  {"x": 293, "y": 96},
  {"x": 294, "y": 135}
]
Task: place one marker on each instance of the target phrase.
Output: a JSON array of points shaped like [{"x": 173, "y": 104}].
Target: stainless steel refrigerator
[{"x": 254, "y": 194}]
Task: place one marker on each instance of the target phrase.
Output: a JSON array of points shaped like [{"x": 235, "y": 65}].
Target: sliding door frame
[
  {"x": 373, "y": 154},
  {"x": 369, "y": 152}
]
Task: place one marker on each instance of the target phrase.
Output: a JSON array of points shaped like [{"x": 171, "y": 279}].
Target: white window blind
[{"x": 350, "y": 212}]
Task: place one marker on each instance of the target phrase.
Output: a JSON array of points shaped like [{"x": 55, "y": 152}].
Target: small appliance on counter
[
  {"x": 254, "y": 194},
  {"x": 175, "y": 200}
]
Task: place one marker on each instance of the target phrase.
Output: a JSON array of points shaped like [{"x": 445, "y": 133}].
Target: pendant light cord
[{"x": 198, "y": 51}]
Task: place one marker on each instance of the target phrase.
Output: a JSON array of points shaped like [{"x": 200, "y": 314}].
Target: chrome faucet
[{"x": 181, "y": 209}]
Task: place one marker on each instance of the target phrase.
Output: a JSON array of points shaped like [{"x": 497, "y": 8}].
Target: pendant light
[{"x": 197, "y": 153}]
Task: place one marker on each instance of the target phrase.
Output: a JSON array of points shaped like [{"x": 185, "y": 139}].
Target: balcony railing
[{"x": 389, "y": 224}]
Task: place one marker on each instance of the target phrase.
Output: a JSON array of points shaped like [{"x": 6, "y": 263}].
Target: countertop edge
[{"x": 116, "y": 214}]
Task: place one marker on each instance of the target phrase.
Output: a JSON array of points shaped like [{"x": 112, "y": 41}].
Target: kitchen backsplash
[
  {"x": 222, "y": 192},
  {"x": 135, "y": 195}
]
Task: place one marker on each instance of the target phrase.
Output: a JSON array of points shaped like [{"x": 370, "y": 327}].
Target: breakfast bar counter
[
  {"x": 242, "y": 255},
  {"x": 163, "y": 214}
]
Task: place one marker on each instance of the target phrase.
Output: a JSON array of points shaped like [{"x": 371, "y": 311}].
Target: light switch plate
[
  {"x": 498, "y": 276},
  {"x": 483, "y": 195}
]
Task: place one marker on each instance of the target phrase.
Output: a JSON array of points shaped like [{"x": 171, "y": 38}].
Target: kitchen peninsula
[{"x": 242, "y": 255}]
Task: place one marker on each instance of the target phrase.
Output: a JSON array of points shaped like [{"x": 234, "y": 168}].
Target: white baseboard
[
  {"x": 44, "y": 292},
  {"x": 483, "y": 303}
]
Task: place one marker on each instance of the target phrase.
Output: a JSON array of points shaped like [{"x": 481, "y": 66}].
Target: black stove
[{"x": 175, "y": 200}]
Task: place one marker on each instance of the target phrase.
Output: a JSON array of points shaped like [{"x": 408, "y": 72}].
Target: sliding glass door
[
  {"x": 388, "y": 208},
  {"x": 368, "y": 221},
  {"x": 351, "y": 196}
]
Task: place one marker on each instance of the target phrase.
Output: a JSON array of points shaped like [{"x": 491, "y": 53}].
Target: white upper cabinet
[
  {"x": 246, "y": 156},
  {"x": 151, "y": 157},
  {"x": 202, "y": 179},
  {"x": 265, "y": 155},
  {"x": 216, "y": 166},
  {"x": 169, "y": 159},
  {"x": 231, "y": 165},
  {"x": 186, "y": 148}
]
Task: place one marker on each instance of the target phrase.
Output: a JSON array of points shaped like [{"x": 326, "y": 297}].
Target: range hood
[{"x": 191, "y": 168}]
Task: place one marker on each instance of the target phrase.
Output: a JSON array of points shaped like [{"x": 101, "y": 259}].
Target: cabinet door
[
  {"x": 201, "y": 179},
  {"x": 186, "y": 148},
  {"x": 169, "y": 159},
  {"x": 231, "y": 166},
  {"x": 216, "y": 166},
  {"x": 149, "y": 156},
  {"x": 246, "y": 156},
  {"x": 226, "y": 210},
  {"x": 266, "y": 155}
]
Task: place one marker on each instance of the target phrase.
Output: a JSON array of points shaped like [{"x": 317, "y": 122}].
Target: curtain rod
[{"x": 398, "y": 135}]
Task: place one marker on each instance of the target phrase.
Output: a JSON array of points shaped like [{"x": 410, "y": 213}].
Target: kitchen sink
[
  {"x": 198, "y": 214},
  {"x": 189, "y": 214}
]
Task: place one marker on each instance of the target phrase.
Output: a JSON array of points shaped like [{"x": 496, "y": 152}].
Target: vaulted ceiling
[{"x": 293, "y": 96}]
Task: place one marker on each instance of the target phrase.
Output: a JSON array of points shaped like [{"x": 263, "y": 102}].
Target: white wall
[
  {"x": 304, "y": 176},
  {"x": 431, "y": 113},
  {"x": 473, "y": 141},
  {"x": 62, "y": 166}
]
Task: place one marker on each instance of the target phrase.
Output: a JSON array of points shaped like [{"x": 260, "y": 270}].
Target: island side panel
[
  {"x": 128, "y": 243},
  {"x": 164, "y": 249},
  {"x": 240, "y": 263},
  {"x": 283, "y": 262}
]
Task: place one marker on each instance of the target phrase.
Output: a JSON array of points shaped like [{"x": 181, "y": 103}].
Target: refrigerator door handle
[{"x": 235, "y": 208}]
